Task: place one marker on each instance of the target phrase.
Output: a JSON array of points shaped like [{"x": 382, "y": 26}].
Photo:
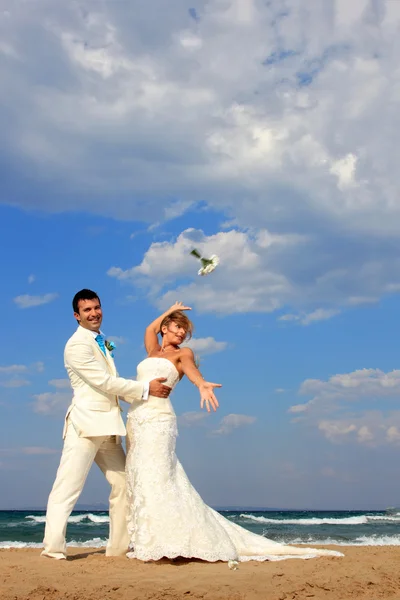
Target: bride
[{"x": 167, "y": 517}]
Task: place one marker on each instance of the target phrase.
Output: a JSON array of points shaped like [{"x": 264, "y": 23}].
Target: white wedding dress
[{"x": 167, "y": 517}]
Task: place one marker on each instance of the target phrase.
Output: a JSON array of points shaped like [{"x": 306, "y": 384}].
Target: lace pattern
[{"x": 167, "y": 517}]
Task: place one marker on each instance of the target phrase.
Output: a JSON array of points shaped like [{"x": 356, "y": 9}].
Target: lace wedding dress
[{"x": 167, "y": 517}]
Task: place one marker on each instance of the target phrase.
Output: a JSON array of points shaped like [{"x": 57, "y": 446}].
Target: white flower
[{"x": 209, "y": 264}]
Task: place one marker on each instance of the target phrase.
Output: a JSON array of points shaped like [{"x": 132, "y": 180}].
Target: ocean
[{"x": 24, "y": 529}]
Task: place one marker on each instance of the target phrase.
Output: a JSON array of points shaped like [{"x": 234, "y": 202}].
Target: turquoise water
[{"x": 19, "y": 529}]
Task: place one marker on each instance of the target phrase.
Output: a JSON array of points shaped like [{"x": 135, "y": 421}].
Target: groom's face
[{"x": 90, "y": 314}]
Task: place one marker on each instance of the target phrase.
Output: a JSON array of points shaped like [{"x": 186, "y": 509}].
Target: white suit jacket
[{"x": 95, "y": 409}]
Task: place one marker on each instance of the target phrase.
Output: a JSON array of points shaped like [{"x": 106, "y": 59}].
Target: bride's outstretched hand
[
  {"x": 179, "y": 306},
  {"x": 207, "y": 395}
]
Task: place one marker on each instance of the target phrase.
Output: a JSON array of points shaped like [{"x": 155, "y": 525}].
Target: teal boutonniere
[{"x": 110, "y": 347}]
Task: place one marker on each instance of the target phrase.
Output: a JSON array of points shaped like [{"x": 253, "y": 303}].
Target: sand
[{"x": 367, "y": 573}]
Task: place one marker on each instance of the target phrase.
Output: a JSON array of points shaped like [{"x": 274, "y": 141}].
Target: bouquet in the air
[{"x": 207, "y": 264}]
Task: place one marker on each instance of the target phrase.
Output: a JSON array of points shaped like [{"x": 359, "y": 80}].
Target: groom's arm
[{"x": 80, "y": 358}]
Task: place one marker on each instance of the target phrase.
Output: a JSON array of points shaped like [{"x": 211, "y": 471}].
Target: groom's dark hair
[{"x": 83, "y": 295}]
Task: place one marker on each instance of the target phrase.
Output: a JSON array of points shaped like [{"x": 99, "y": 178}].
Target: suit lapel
[
  {"x": 110, "y": 362},
  {"x": 99, "y": 353}
]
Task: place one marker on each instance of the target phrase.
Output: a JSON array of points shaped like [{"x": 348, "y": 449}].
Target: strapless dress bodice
[{"x": 151, "y": 368}]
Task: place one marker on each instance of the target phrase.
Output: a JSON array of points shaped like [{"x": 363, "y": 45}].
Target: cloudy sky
[{"x": 263, "y": 132}]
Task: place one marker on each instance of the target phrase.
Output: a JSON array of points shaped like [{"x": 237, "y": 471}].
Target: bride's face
[{"x": 174, "y": 334}]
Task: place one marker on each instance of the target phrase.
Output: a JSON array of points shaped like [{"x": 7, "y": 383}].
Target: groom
[{"x": 92, "y": 429}]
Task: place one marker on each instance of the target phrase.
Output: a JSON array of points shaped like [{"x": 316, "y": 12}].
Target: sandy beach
[{"x": 367, "y": 573}]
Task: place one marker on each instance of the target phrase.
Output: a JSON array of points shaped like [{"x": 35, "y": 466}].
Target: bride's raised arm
[
  {"x": 151, "y": 341},
  {"x": 206, "y": 388}
]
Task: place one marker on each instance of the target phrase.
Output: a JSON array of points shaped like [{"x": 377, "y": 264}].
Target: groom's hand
[{"x": 156, "y": 388}]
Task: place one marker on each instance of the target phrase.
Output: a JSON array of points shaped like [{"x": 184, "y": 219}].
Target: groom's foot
[{"x": 56, "y": 555}]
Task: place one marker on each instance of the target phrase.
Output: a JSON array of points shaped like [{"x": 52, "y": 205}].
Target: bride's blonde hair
[{"x": 181, "y": 320}]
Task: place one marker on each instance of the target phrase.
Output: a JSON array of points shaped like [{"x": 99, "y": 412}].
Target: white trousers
[{"x": 77, "y": 457}]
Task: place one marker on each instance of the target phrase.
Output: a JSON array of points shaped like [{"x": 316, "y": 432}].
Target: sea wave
[
  {"x": 89, "y": 519},
  {"x": 359, "y": 520},
  {"x": 313, "y": 521},
  {"x": 373, "y": 540},
  {"x": 93, "y": 543},
  {"x": 72, "y": 519},
  {"x": 378, "y": 518},
  {"x": 364, "y": 540}
]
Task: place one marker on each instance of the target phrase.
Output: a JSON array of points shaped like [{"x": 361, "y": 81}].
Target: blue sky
[{"x": 262, "y": 134}]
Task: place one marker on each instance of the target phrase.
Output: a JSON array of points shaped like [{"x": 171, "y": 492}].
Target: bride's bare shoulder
[{"x": 186, "y": 353}]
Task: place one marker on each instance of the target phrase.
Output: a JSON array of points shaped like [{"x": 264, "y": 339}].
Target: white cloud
[
  {"x": 13, "y": 369},
  {"x": 207, "y": 345},
  {"x": 50, "y": 403},
  {"x": 15, "y": 383},
  {"x": 348, "y": 407},
  {"x": 299, "y": 408},
  {"x": 335, "y": 429},
  {"x": 344, "y": 169},
  {"x": 28, "y": 301},
  {"x": 318, "y": 133},
  {"x": 368, "y": 428},
  {"x": 319, "y": 314},
  {"x": 365, "y": 435},
  {"x": 231, "y": 422},
  {"x": 191, "y": 419},
  {"x": 260, "y": 289},
  {"x": 289, "y": 317},
  {"x": 270, "y": 278},
  {"x": 31, "y": 278},
  {"x": 362, "y": 383},
  {"x": 393, "y": 434},
  {"x": 290, "y": 136},
  {"x": 60, "y": 384}
]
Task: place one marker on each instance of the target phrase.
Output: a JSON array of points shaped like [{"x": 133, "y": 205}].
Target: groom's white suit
[{"x": 93, "y": 424}]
